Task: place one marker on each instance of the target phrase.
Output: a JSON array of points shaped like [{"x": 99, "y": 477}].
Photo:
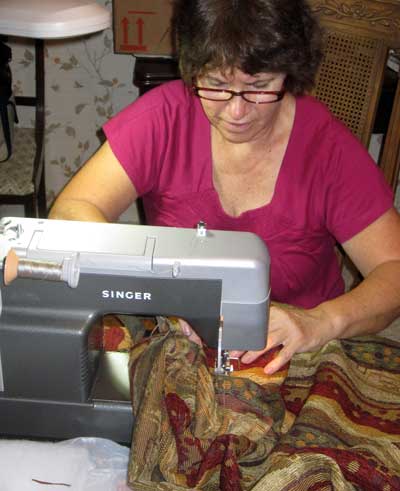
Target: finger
[
  {"x": 186, "y": 329},
  {"x": 283, "y": 357},
  {"x": 236, "y": 354},
  {"x": 195, "y": 339},
  {"x": 250, "y": 356},
  {"x": 189, "y": 332}
]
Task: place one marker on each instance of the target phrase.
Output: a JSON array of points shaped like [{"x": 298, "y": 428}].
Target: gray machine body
[{"x": 53, "y": 382}]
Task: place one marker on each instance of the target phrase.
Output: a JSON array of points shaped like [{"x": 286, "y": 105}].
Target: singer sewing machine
[{"x": 60, "y": 278}]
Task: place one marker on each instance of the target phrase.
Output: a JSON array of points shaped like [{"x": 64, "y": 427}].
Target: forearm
[
  {"x": 71, "y": 209},
  {"x": 368, "y": 308},
  {"x": 99, "y": 192}
]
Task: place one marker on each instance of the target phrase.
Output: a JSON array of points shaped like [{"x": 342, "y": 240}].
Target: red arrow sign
[
  {"x": 125, "y": 24},
  {"x": 140, "y": 24}
]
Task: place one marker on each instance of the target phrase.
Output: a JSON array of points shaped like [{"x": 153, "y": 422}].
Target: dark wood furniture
[{"x": 22, "y": 177}]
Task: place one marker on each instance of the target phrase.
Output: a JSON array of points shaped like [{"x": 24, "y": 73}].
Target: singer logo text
[{"x": 126, "y": 295}]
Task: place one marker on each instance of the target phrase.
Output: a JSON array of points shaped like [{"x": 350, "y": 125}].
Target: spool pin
[{"x": 10, "y": 267}]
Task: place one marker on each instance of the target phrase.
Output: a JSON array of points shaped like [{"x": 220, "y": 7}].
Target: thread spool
[{"x": 16, "y": 267}]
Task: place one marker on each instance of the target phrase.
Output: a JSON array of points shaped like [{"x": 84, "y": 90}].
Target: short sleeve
[
  {"x": 137, "y": 136},
  {"x": 356, "y": 193}
]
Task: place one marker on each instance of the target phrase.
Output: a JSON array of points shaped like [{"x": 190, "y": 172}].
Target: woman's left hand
[{"x": 296, "y": 330}]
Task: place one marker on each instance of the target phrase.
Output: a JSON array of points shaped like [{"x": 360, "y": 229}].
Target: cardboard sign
[{"x": 142, "y": 27}]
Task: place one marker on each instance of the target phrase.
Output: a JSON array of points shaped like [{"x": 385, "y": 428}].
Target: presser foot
[{"x": 223, "y": 364}]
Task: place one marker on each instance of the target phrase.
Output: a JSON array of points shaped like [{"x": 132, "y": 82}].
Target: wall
[{"x": 86, "y": 83}]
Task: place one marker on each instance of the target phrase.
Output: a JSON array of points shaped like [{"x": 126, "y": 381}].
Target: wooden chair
[
  {"x": 358, "y": 38},
  {"x": 22, "y": 179}
]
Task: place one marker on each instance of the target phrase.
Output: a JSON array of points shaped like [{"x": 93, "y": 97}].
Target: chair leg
[
  {"x": 36, "y": 205},
  {"x": 30, "y": 207},
  {"x": 141, "y": 212},
  {"x": 41, "y": 198}
]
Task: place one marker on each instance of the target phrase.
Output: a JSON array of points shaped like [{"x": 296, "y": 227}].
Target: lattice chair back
[{"x": 358, "y": 37}]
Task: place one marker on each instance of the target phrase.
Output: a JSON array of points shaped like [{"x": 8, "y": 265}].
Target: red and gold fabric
[{"x": 330, "y": 421}]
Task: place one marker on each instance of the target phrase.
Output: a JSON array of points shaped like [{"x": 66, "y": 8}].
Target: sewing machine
[{"x": 61, "y": 277}]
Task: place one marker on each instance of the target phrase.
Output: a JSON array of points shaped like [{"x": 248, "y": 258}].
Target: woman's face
[{"x": 237, "y": 120}]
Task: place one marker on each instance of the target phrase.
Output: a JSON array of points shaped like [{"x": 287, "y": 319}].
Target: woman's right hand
[{"x": 189, "y": 332}]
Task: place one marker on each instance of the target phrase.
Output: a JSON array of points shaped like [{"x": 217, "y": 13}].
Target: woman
[{"x": 237, "y": 145}]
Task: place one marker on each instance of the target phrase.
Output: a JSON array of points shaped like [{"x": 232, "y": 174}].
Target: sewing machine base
[
  {"x": 60, "y": 420},
  {"x": 107, "y": 414}
]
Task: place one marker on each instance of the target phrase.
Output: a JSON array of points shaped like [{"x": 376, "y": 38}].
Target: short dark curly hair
[{"x": 252, "y": 35}]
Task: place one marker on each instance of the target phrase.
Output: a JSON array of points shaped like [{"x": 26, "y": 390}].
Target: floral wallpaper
[{"x": 86, "y": 83}]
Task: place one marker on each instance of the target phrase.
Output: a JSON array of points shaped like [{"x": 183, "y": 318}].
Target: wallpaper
[{"x": 86, "y": 83}]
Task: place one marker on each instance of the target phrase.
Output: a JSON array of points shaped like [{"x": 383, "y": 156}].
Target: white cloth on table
[{"x": 80, "y": 464}]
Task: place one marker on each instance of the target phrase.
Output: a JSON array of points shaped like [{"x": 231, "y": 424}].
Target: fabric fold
[{"x": 326, "y": 423}]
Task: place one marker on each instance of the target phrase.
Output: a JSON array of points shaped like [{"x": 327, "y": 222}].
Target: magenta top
[{"x": 328, "y": 188}]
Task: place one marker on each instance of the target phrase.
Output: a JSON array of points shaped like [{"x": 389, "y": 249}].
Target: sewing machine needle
[{"x": 219, "y": 368}]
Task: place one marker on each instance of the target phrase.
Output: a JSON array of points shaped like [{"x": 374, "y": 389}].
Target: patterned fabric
[
  {"x": 120, "y": 333},
  {"x": 329, "y": 422}
]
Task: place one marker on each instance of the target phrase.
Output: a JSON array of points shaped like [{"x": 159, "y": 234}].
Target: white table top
[{"x": 52, "y": 19}]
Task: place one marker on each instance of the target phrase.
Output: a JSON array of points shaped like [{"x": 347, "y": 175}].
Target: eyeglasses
[{"x": 253, "y": 96}]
